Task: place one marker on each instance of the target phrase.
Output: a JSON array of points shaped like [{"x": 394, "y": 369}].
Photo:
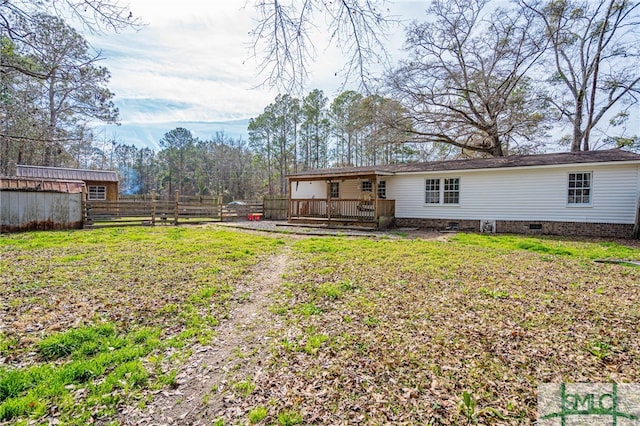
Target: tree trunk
[
  {"x": 496, "y": 148},
  {"x": 577, "y": 124}
]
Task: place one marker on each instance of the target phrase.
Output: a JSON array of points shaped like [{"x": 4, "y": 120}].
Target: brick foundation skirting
[{"x": 530, "y": 227}]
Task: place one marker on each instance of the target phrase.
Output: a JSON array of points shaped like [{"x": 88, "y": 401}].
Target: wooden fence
[
  {"x": 147, "y": 210},
  {"x": 275, "y": 207}
]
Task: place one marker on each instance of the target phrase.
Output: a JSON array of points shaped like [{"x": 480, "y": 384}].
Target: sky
[{"x": 191, "y": 66}]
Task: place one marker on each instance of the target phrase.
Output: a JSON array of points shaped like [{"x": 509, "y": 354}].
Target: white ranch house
[{"x": 592, "y": 193}]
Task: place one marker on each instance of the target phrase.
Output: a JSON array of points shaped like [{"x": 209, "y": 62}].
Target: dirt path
[{"x": 207, "y": 383}]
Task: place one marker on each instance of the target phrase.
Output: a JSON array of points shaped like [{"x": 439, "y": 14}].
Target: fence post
[
  {"x": 84, "y": 206},
  {"x": 176, "y": 210},
  {"x": 153, "y": 207}
]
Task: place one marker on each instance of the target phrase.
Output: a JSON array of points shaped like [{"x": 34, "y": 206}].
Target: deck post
[
  {"x": 328, "y": 203},
  {"x": 289, "y": 201},
  {"x": 375, "y": 200}
]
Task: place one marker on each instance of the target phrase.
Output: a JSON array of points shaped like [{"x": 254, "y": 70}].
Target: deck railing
[{"x": 343, "y": 209}]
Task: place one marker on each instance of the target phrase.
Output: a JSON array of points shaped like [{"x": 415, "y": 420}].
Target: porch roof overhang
[{"x": 325, "y": 174}]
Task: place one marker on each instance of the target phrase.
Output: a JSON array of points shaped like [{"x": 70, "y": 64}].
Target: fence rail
[{"x": 149, "y": 211}]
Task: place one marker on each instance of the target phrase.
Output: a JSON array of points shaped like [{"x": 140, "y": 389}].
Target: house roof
[
  {"x": 41, "y": 185},
  {"x": 604, "y": 156},
  {"x": 41, "y": 172}
]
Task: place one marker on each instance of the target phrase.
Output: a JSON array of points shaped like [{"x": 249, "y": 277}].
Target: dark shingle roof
[
  {"x": 42, "y": 172},
  {"x": 611, "y": 155}
]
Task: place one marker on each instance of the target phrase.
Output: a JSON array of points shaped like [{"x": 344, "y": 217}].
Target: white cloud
[{"x": 192, "y": 62}]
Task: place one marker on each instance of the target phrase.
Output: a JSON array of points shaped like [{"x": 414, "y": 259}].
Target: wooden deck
[{"x": 340, "y": 211}]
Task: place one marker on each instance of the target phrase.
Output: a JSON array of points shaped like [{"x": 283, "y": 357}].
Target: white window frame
[
  {"x": 366, "y": 186},
  {"x": 451, "y": 187},
  {"x": 442, "y": 188},
  {"x": 577, "y": 186},
  {"x": 334, "y": 189},
  {"x": 382, "y": 189},
  {"x": 97, "y": 193},
  {"x": 432, "y": 191}
]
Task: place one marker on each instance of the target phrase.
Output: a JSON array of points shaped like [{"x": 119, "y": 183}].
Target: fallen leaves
[
  {"x": 364, "y": 332},
  {"x": 433, "y": 321}
]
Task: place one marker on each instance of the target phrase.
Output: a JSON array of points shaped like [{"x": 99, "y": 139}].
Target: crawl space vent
[{"x": 488, "y": 226}]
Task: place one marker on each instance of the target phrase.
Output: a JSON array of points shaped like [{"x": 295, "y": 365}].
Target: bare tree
[
  {"x": 284, "y": 33},
  {"x": 465, "y": 81},
  {"x": 95, "y": 15},
  {"x": 74, "y": 88},
  {"x": 17, "y": 16},
  {"x": 594, "y": 50}
]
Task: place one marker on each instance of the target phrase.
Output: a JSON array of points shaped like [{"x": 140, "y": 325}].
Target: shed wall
[
  {"x": 111, "y": 188},
  {"x": 23, "y": 211}
]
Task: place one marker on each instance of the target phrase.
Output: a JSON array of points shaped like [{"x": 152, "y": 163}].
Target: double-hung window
[
  {"x": 442, "y": 191},
  {"x": 432, "y": 195},
  {"x": 367, "y": 186},
  {"x": 451, "y": 193},
  {"x": 382, "y": 189},
  {"x": 579, "y": 191}
]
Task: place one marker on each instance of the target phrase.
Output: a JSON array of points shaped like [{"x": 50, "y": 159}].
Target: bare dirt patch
[{"x": 208, "y": 382}]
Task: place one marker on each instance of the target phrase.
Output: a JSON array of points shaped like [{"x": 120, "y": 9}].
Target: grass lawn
[
  {"x": 430, "y": 332},
  {"x": 387, "y": 331},
  {"x": 90, "y": 319}
]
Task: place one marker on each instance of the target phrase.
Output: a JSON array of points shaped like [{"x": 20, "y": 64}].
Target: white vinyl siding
[{"x": 534, "y": 193}]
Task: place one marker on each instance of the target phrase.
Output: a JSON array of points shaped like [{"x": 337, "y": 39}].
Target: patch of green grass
[
  {"x": 289, "y": 418},
  {"x": 7, "y": 343},
  {"x": 334, "y": 290},
  {"x": 371, "y": 321},
  {"x": 321, "y": 245},
  {"x": 600, "y": 349},
  {"x": 314, "y": 342},
  {"x": 288, "y": 345},
  {"x": 496, "y": 294},
  {"x": 554, "y": 246},
  {"x": 244, "y": 388},
  {"x": 258, "y": 414},
  {"x": 308, "y": 309},
  {"x": 86, "y": 340},
  {"x": 52, "y": 383}
]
